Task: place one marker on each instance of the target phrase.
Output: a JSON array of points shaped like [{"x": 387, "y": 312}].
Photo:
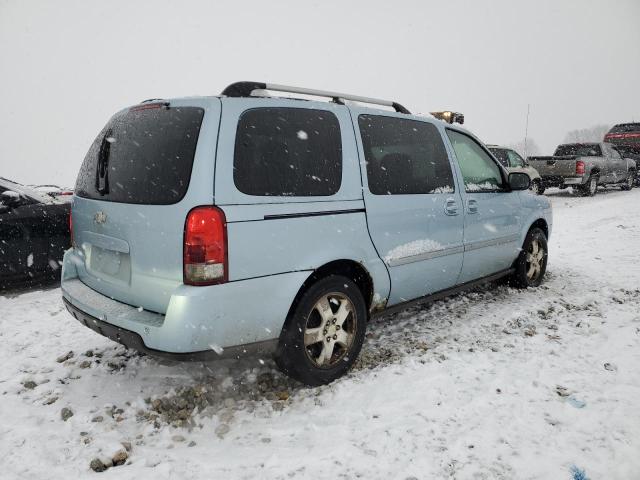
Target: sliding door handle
[{"x": 451, "y": 207}]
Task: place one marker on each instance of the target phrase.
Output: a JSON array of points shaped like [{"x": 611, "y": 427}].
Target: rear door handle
[
  {"x": 451, "y": 207},
  {"x": 472, "y": 206}
]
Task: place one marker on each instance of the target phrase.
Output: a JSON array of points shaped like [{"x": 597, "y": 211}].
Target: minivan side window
[
  {"x": 480, "y": 172},
  {"x": 404, "y": 156},
  {"x": 288, "y": 152}
]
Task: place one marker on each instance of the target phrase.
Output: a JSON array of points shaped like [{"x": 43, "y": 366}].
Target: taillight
[
  {"x": 579, "y": 167},
  {"x": 205, "y": 247}
]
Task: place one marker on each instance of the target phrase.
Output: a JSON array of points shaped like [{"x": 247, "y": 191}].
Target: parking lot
[{"x": 480, "y": 385}]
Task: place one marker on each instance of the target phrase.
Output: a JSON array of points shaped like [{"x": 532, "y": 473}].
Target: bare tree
[
  {"x": 531, "y": 147},
  {"x": 591, "y": 134}
]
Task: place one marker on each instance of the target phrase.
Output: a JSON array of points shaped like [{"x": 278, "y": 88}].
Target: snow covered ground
[{"x": 497, "y": 383}]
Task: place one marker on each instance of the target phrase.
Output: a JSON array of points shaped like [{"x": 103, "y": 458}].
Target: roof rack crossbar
[{"x": 244, "y": 89}]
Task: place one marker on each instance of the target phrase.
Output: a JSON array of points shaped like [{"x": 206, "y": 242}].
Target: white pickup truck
[{"x": 584, "y": 166}]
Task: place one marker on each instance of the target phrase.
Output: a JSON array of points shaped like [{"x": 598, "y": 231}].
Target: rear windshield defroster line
[{"x": 142, "y": 156}]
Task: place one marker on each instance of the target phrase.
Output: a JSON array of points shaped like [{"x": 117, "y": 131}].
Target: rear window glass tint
[
  {"x": 581, "y": 150},
  {"x": 404, "y": 156},
  {"x": 143, "y": 156},
  {"x": 626, "y": 128},
  {"x": 288, "y": 152},
  {"x": 501, "y": 155}
]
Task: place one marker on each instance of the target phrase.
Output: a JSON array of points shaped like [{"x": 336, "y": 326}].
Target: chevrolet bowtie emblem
[{"x": 100, "y": 218}]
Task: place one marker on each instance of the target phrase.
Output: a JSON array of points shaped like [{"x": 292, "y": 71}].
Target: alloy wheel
[
  {"x": 535, "y": 259},
  {"x": 330, "y": 330}
]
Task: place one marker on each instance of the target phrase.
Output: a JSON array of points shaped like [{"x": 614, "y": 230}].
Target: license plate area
[{"x": 108, "y": 264}]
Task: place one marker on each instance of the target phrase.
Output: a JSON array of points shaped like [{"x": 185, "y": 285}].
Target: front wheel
[
  {"x": 628, "y": 184},
  {"x": 531, "y": 264},
  {"x": 324, "y": 334}
]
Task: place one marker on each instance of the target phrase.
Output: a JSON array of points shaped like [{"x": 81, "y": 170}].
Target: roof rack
[{"x": 244, "y": 89}]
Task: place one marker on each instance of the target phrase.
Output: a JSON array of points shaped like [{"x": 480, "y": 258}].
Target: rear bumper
[
  {"x": 557, "y": 181},
  {"x": 133, "y": 340},
  {"x": 233, "y": 318}
]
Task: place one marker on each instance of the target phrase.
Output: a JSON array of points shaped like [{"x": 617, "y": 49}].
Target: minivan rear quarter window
[
  {"x": 288, "y": 152},
  {"x": 143, "y": 156},
  {"x": 404, "y": 156}
]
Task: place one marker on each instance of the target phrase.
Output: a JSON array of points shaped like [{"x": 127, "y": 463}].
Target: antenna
[{"x": 526, "y": 131}]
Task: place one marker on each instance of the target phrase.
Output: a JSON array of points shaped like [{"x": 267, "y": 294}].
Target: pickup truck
[{"x": 584, "y": 166}]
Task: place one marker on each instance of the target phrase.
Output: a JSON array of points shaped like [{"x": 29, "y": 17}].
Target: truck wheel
[
  {"x": 590, "y": 188},
  {"x": 628, "y": 184},
  {"x": 324, "y": 334},
  {"x": 537, "y": 187},
  {"x": 531, "y": 264}
]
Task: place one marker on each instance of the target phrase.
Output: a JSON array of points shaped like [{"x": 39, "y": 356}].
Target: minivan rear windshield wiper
[{"x": 102, "y": 167}]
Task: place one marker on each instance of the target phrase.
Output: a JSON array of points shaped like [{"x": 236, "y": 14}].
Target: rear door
[
  {"x": 414, "y": 208},
  {"x": 491, "y": 221},
  {"x": 148, "y": 167}
]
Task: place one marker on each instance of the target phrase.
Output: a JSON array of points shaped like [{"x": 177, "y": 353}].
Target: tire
[
  {"x": 629, "y": 182},
  {"x": 526, "y": 273},
  {"x": 590, "y": 188},
  {"x": 537, "y": 187},
  {"x": 303, "y": 352}
]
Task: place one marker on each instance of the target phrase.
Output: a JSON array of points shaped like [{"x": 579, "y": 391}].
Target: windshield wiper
[{"x": 102, "y": 168}]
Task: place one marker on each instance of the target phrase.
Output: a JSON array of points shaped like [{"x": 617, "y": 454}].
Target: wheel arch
[
  {"x": 345, "y": 267},
  {"x": 540, "y": 223}
]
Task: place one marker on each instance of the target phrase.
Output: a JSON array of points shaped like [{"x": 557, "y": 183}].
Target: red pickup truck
[{"x": 626, "y": 138}]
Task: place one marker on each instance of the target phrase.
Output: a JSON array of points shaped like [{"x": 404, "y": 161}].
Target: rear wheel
[
  {"x": 628, "y": 184},
  {"x": 531, "y": 264},
  {"x": 537, "y": 187},
  {"x": 590, "y": 188},
  {"x": 324, "y": 334}
]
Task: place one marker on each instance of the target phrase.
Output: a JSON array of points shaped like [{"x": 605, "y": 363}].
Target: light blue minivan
[{"x": 218, "y": 226}]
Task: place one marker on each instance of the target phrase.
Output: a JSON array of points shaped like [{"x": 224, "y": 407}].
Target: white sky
[{"x": 66, "y": 66}]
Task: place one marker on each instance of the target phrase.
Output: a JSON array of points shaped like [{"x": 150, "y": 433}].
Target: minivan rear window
[
  {"x": 142, "y": 156},
  {"x": 288, "y": 152}
]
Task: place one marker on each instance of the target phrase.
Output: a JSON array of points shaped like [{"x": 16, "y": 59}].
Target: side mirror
[
  {"x": 9, "y": 198},
  {"x": 519, "y": 181}
]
